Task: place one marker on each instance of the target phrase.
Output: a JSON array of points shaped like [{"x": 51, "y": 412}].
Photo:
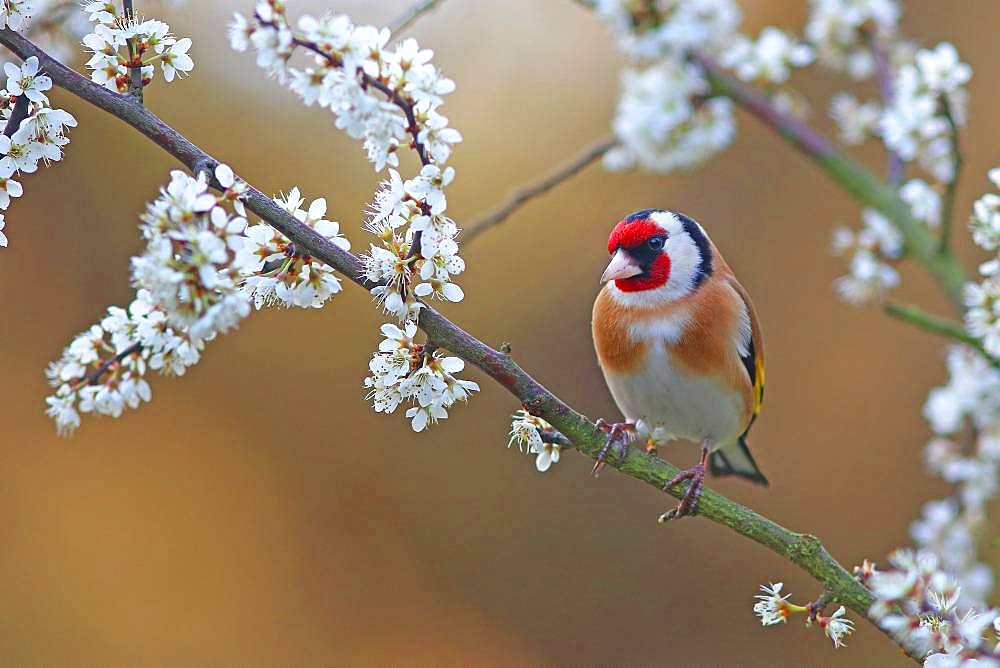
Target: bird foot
[
  {"x": 619, "y": 434},
  {"x": 689, "y": 502}
]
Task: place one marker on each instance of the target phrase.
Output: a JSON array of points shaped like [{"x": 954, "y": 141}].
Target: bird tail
[{"x": 736, "y": 460}]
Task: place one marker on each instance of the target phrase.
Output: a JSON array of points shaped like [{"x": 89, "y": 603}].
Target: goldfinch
[{"x": 680, "y": 346}]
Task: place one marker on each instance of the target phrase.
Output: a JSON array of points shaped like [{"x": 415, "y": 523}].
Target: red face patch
[
  {"x": 630, "y": 235},
  {"x": 658, "y": 274}
]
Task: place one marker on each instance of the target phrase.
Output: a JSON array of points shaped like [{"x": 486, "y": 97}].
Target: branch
[
  {"x": 519, "y": 198},
  {"x": 94, "y": 377},
  {"x": 958, "y": 161},
  {"x": 802, "y": 549},
  {"x": 17, "y": 114},
  {"x": 411, "y": 15},
  {"x": 883, "y": 72},
  {"x": 936, "y": 325},
  {"x": 853, "y": 177}
]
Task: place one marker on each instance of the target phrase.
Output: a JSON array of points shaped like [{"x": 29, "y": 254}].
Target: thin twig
[
  {"x": 856, "y": 179},
  {"x": 17, "y": 114},
  {"x": 94, "y": 377},
  {"x": 883, "y": 72},
  {"x": 519, "y": 198},
  {"x": 802, "y": 549},
  {"x": 135, "y": 58},
  {"x": 412, "y": 14},
  {"x": 937, "y": 325},
  {"x": 958, "y": 161}
]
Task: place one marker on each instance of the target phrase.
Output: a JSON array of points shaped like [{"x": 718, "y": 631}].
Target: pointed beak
[{"x": 621, "y": 266}]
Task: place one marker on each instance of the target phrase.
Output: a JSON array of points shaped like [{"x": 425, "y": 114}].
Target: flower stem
[
  {"x": 135, "y": 70},
  {"x": 958, "y": 161},
  {"x": 411, "y": 15},
  {"x": 937, "y": 325},
  {"x": 883, "y": 71}
]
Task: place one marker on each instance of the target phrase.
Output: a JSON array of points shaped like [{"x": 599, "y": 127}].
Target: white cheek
[{"x": 684, "y": 263}]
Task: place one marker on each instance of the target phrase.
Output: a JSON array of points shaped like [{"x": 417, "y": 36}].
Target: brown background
[{"x": 259, "y": 513}]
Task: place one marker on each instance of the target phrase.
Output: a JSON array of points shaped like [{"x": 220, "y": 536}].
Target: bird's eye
[{"x": 656, "y": 243}]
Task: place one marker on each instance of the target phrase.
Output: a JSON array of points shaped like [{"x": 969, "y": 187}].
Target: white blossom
[
  {"x": 836, "y": 626},
  {"x": 14, "y": 14},
  {"x": 772, "y": 606},
  {"x": 924, "y": 201},
  {"x": 26, "y": 80},
  {"x": 526, "y": 430},
  {"x": 857, "y": 121},
  {"x": 769, "y": 59},
  {"x": 836, "y": 29},
  {"x": 658, "y": 123},
  {"x": 985, "y": 221},
  {"x": 915, "y": 125}
]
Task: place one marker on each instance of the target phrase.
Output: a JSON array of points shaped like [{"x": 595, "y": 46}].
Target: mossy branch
[
  {"x": 937, "y": 325},
  {"x": 804, "y": 550}
]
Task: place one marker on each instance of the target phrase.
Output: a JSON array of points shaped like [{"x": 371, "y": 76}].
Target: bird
[{"x": 679, "y": 343}]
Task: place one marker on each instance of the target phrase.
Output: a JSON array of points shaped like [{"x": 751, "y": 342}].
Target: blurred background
[{"x": 258, "y": 512}]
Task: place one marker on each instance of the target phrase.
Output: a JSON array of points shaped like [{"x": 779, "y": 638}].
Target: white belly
[{"x": 667, "y": 403}]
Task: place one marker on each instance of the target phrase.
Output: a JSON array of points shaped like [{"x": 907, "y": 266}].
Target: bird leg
[
  {"x": 689, "y": 502},
  {"x": 619, "y": 433}
]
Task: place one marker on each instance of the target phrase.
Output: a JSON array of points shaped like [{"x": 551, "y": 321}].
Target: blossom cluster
[
  {"x": 526, "y": 430},
  {"x": 121, "y": 42},
  {"x": 276, "y": 272},
  {"x": 404, "y": 371},
  {"x": 188, "y": 266},
  {"x": 920, "y": 605},
  {"x": 982, "y": 299},
  {"x": 187, "y": 291},
  {"x": 842, "y": 30},
  {"x": 878, "y": 246},
  {"x": 103, "y": 369},
  {"x": 388, "y": 95},
  {"x": 401, "y": 211},
  {"x": 769, "y": 59},
  {"x": 56, "y": 26},
  {"x": 38, "y": 138},
  {"x": 379, "y": 93},
  {"x": 773, "y": 607},
  {"x": 872, "y": 251},
  {"x": 929, "y": 97},
  {"x": 667, "y": 117},
  {"x": 202, "y": 268},
  {"x": 663, "y": 120},
  {"x": 948, "y": 528}
]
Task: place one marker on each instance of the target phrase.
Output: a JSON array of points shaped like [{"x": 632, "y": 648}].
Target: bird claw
[
  {"x": 689, "y": 502},
  {"x": 619, "y": 433}
]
